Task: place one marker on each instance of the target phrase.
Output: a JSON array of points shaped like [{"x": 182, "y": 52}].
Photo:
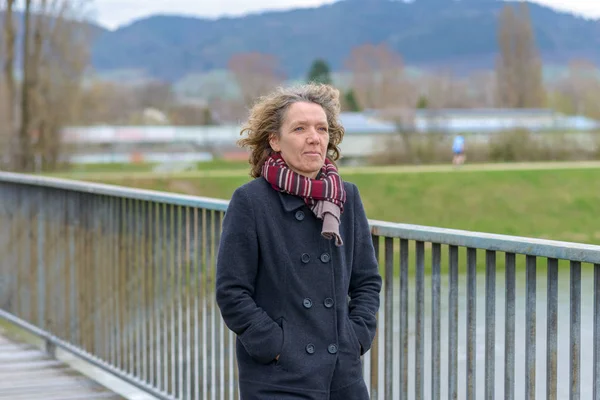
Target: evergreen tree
[
  {"x": 422, "y": 103},
  {"x": 319, "y": 72},
  {"x": 350, "y": 102}
]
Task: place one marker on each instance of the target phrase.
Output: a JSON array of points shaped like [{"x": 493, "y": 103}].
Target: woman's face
[{"x": 303, "y": 138}]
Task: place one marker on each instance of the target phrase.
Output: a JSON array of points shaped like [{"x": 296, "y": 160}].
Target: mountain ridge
[
  {"x": 460, "y": 36},
  {"x": 427, "y": 33}
]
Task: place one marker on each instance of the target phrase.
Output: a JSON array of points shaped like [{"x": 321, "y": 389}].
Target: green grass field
[
  {"x": 144, "y": 167},
  {"x": 560, "y": 204}
]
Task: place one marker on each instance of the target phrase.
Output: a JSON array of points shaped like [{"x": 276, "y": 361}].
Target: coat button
[
  {"x": 332, "y": 349},
  {"x": 310, "y": 348},
  {"x": 307, "y": 303},
  {"x": 328, "y": 302},
  {"x": 325, "y": 257},
  {"x": 305, "y": 258},
  {"x": 299, "y": 215}
]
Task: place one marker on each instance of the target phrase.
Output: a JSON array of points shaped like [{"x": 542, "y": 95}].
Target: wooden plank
[{"x": 29, "y": 373}]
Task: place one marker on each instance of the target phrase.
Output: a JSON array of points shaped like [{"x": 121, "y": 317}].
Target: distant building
[
  {"x": 481, "y": 120},
  {"x": 367, "y": 134}
]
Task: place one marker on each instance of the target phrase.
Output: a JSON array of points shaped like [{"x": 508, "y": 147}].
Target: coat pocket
[
  {"x": 355, "y": 341},
  {"x": 281, "y": 360}
]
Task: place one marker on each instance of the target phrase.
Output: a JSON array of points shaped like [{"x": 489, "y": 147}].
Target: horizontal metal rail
[
  {"x": 115, "y": 191},
  {"x": 489, "y": 241}
]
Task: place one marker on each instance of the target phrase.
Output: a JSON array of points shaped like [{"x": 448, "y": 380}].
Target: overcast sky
[{"x": 113, "y": 13}]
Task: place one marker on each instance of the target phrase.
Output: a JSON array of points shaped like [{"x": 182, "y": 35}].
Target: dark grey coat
[{"x": 284, "y": 289}]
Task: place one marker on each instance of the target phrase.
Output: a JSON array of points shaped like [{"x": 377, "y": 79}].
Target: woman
[{"x": 297, "y": 277}]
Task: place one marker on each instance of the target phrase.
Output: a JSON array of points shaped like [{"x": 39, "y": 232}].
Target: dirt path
[{"x": 395, "y": 169}]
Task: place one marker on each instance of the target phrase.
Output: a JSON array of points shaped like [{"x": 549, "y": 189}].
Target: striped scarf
[{"x": 325, "y": 196}]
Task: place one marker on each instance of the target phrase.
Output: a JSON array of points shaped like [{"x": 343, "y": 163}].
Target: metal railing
[{"x": 124, "y": 278}]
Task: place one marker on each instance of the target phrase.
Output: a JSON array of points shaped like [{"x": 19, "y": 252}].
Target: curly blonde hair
[{"x": 267, "y": 116}]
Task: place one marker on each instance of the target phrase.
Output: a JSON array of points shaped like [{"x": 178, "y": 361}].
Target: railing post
[
  {"x": 471, "y": 323},
  {"x": 490, "y": 324},
  {"x": 435, "y": 320},
  {"x": 596, "y": 334},
  {"x": 530, "y": 330},
  {"x": 50, "y": 347},
  {"x": 453, "y": 324},
  {"x": 374, "y": 352},
  {"x": 551, "y": 330},
  {"x": 575, "y": 334},
  {"x": 509, "y": 327}
]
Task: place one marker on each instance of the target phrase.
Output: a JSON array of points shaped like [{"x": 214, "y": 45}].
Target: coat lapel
[{"x": 290, "y": 202}]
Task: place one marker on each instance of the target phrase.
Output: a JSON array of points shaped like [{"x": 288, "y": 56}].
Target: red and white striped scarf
[{"x": 325, "y": 196}]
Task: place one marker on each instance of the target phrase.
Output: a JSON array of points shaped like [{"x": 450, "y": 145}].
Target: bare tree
[
  {"x": 444, "y": 90},
  {"x": 378, "y": 77},
  {"x": 255, "y": 73},
  {"x": 529, "y": 64},
  {"x": 380, "y": 83},
  {"x": 482, "y": 88},
  {"x": 55, "y": 55},
  {"x": 24, "y": 158},
  {"x": 506, "y": 64},
  {"x": 105, "y": 103},
  {"x": 519, "y": 68},
  {"x": 579, "y": 90},
  {"x": 191, "y": 114},
  {"x": 154, "y": 94},
  {"x": 9, "y": 87}
]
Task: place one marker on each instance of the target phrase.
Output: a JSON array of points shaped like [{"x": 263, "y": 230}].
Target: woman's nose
[{"x": 313, "y": 136}]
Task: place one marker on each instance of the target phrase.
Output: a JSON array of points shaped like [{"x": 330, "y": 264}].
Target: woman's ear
[{"x": 274, "y": 142}]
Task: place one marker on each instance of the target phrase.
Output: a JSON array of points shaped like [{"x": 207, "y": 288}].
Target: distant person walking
[
  {"x": 458, "y": 149},
  {"x": 297, "y": 275}
]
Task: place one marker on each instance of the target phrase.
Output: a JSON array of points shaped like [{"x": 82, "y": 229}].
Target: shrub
[{"x": 509, "y": 146}]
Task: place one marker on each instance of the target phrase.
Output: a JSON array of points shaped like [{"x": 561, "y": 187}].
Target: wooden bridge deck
[{"x": 26, "y": 372}]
